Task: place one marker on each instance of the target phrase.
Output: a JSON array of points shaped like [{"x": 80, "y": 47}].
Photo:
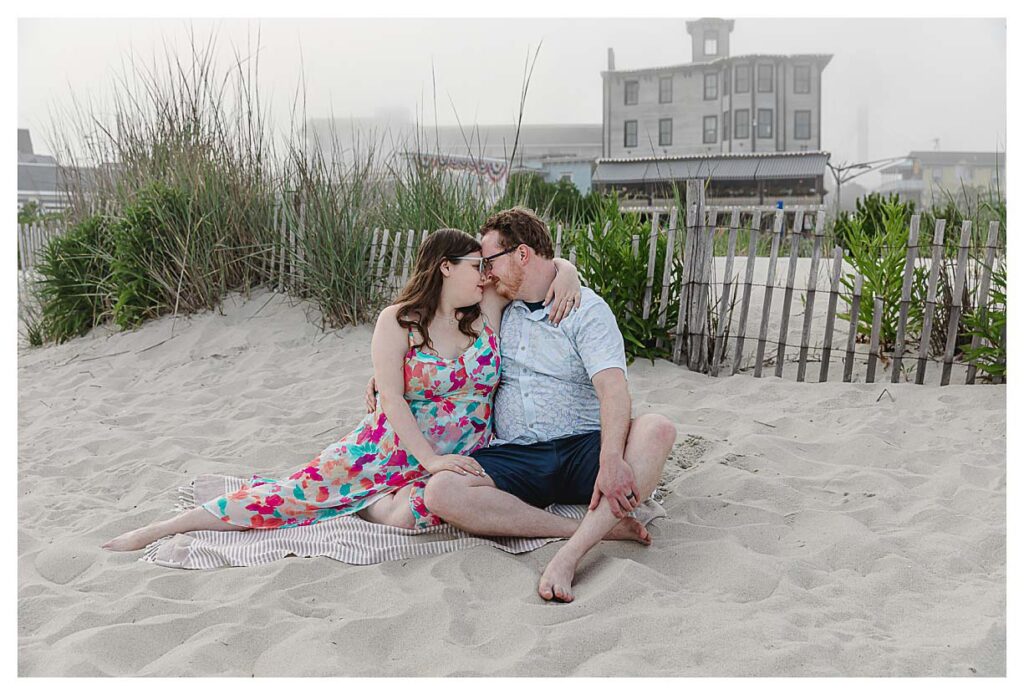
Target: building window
[
  {"x": 802, "y": 79},
  {"x": 764, "y": 78},
  {"x": 711, "y": 129},
  {"x": 741, "y": 131},
  {"x": 801, "y": 125},
  {"x": 742, "y": 79},
  {"x": 937, "y": 174},
  {"x": 665, "y": 131},
  {"x": 665, "y": 90},
  {"x": 726, "y": 122},
  {"x": 630, "y": 134},
  {"x": 632, "y": 92},
  {"x": 710, "y": 43},
  {"x": 726, "y": 80},
  {"x": 710, "y": 85},
  {"x": 764, "y": 123}
]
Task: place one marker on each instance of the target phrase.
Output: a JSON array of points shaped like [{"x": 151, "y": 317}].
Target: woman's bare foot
[
  {"x": 629, "y": 529},
  {"x": 197, "y": 519},
  {"x": 556, "y": 581},
  {"x": 137, "y": 539}
]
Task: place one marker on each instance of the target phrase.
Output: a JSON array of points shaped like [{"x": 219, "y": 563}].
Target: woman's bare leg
[
  {"x": 197, "y": 519},
  {"x": 393, "y": 510}
]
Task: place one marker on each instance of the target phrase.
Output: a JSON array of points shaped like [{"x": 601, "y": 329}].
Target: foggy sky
[{"x": 919, "y": 79}]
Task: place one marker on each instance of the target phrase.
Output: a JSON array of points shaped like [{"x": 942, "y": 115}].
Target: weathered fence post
[
  {"x": 851, "y": 337},
  {"x": 938, "y": 247},
  {"x": 697, "y": 320},
  {"x": 830, "y": 315},
  {"x": 666, "y": 276},
  {"x": 719, "y": 346},
  {"x": 876, "y": 325},
  {"x": 787, "y": 299},
  {"x": 778, "y": 230},
  {"x": 652, "y": 256},
  {"x": 908, "y": 283},
  {"x": 957, "y": 303},
  {"x": 558, "y": 241},
  {"x": 812, "y": 286},
  {"x": 748, "y": 279}
]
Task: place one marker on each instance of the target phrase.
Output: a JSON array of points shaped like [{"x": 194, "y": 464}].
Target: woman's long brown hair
[{"x": 421, "y": 296}]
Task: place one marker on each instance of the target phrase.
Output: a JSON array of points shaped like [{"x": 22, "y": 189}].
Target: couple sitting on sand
[{"x": 432, "y": 451}]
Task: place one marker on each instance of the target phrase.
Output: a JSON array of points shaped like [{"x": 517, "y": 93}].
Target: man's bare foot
[
  {"x": 137, "y": 539},
  {"x": 556, "y": 581},
  {"x": 629, "y": 529}
]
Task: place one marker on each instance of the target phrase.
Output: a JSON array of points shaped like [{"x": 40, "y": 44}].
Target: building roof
[
  {"x": 746, "y": 166},
  {"x": 822, "y": 58}
]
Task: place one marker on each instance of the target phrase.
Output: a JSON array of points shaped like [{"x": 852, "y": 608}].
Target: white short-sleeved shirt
[{"x": 546, "y": 388}]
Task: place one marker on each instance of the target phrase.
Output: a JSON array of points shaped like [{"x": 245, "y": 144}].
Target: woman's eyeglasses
[{"x": 483, "y": 263}]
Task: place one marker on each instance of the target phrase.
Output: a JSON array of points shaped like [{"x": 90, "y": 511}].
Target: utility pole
[{"x": 848, "y": 172}]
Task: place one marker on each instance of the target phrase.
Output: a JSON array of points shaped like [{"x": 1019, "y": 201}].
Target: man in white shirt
[{"x": 562, "y": 423}]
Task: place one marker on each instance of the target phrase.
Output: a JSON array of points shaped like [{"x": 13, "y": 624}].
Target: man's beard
[{"x": 509, "y": 287}]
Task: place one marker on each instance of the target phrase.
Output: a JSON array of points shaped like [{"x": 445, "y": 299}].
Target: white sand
[{"x": 814, "y": 529}]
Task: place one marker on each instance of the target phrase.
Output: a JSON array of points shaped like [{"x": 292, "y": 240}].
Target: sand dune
[{"x": 813, "y": 529}]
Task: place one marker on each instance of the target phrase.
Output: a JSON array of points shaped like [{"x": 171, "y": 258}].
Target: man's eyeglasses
[{"x": 483, "y": 263}]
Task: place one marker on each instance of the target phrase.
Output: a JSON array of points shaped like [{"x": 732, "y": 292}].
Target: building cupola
[{"x": 710, "y": 38}]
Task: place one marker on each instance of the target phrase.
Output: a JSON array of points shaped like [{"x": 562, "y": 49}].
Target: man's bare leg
[
  {"x": 647, "y": 447},
  {"x": 473, "y": 504}
]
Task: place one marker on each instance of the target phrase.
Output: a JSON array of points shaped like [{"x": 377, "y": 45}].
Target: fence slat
[
  {"x": 281, "y": 237},
  {"x": 22, "y": 255},
  {"x": 851, "y": 338},
  {"x": 812, "y": 288},
  {"x": 876, "y": 326},
  {"x": 957, "y": 303},
  {"x": 407, "y": 265},
  {"x": 830, "y": 314},
  {"x": 374, "y": 246},
  {"x": 682, "y": 325},
  {"x": 787, "y": 300},
  {"x": 666, "y": 276},
  {"x": 703, "y": 256},
  {"x": 719, "y": 347},
  {"x": 385, "y": 237},
  {"x": 558, "y": 241},
  {"x": 986, "y": 279},
  {"x": 748, "y": 279},
  {"x": 652, "y": 256},
  {"x": 908, "y": 284},
  {"x": 938, "y": 248},
  {"x": 393, "y": 273},
  {"x": 778, "y": 229}
]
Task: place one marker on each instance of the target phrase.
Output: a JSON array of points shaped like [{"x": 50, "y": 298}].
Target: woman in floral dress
[{"x": 434, "y": 408}]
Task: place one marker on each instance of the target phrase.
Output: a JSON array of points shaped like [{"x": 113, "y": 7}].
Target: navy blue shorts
[{"x": 562, "y": 470}]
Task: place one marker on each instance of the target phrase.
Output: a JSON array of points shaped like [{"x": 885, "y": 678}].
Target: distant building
[
  {"x": 749, "y": 123},
  {"x": 718, "y": 103},
  {"x": 39, "y": 177},
  {"x": 928, "y": 178},
  {"x": 555, "y": 151},
  {"x": 796, "y": 178}
]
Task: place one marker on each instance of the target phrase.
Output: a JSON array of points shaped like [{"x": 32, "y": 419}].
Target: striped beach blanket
[{"x": 348, "y": 539}]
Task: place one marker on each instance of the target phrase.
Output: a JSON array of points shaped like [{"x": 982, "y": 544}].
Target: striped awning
[{"x": 746, "y": 167}]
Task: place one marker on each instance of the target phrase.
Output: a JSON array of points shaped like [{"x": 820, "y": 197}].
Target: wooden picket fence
[{"x": 760, "y": 338}]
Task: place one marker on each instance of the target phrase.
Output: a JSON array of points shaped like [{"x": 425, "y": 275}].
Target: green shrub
[
  {"x": 607, "y": 266},
  {"x": 74, "y": 289},
  {"x": 989, "y": 324},
  {"x": 870, "y": 216},
  {"x": 879, "y": 253}
]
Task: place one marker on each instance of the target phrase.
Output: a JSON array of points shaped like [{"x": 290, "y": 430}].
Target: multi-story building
[
  {"x": 718, "y": 103},
  {"x": 929, "y": 178},
  {"x": 750, "y": 125}
]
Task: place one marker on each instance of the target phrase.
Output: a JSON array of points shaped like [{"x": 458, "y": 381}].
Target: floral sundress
[{"x": 451, "y": 401}]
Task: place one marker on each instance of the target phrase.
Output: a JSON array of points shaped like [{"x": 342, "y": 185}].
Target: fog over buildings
[{"x": 892, "y": 85}]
